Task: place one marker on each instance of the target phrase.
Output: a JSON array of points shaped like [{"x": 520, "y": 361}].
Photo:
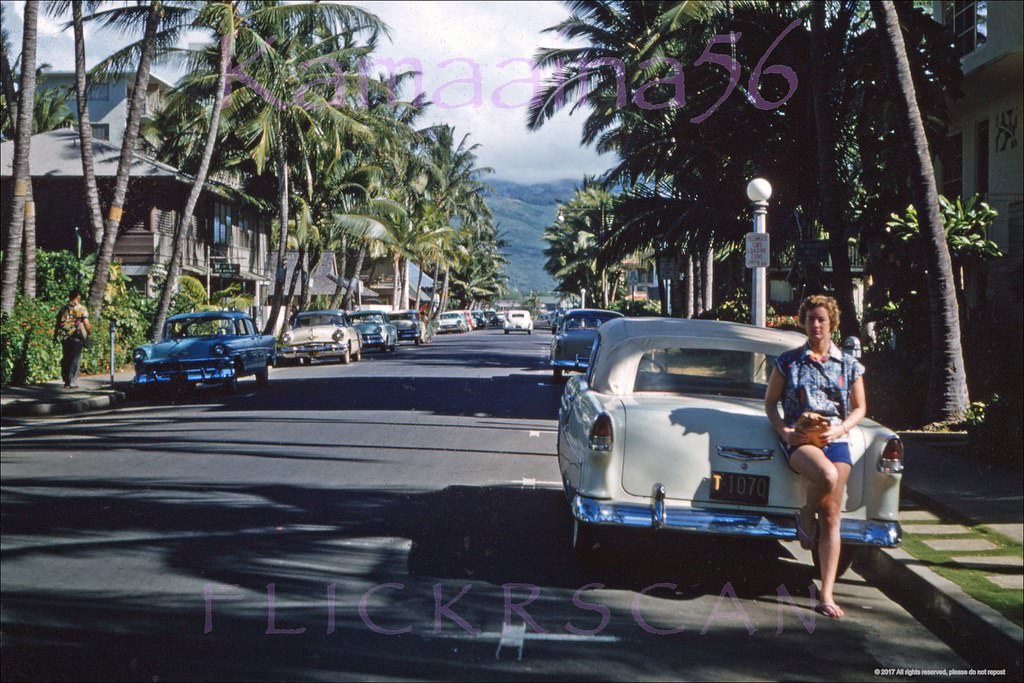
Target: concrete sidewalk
[
  {"x": 94, "y": 392},
  {"x": 946, "y": 499},
  {"x": 945, "y": 493}
]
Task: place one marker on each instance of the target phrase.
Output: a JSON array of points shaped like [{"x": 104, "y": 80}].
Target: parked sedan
[
  {"x": 667, "y": 431},
  {"x": 452, "y": 321},
  {"x": 375, "y": 330},
  {"x": 321, "y": 334},
  {"x": 214, "y": 347},
  {"x": 410, "y": 326},
  {"x": 570, "y": 349}
]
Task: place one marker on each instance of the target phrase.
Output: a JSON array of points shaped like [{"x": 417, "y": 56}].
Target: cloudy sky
[{"x": 475, "y": 60}]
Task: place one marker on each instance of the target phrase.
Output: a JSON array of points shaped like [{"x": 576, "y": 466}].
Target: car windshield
[
  {"x": 587, "y": 322},
  {"x": 704, "y": 371},
  {"x": 403, "y": 316},
  {"x": 199, "y": 327},
  {"x": 314, "y": 319},
  {"x": 368, "y": 318}
]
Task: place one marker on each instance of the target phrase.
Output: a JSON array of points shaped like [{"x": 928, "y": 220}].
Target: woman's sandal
[
  {"x": 807, "y": 541},
  {"x": 829, "y": 609}
]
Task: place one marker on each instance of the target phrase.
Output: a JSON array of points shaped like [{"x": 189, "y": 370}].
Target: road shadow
[
  {"x": 196, "y": 582},
  {"x": 516, "y": 396}
]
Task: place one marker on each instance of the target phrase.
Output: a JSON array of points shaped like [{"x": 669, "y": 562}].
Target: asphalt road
[{"x": 396, "y": 518}]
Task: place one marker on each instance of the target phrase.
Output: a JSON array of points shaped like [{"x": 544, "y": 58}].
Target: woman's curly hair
[{"x": 815, "y": 301}]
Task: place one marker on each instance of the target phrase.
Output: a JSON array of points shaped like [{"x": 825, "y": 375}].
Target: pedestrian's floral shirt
[
  {"x": 813, "y": 385},
  {"x": 68, "y": 318}
]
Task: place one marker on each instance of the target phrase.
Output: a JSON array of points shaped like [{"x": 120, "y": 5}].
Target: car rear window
[{"x": 704, "y": 371}]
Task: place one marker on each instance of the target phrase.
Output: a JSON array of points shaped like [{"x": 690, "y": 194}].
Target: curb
[
  {"x": 106, "y": 400},
  {"x": 979, "y": 634}
]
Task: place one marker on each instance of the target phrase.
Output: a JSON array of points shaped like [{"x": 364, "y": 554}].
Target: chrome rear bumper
[{"x": 724, "y": 522}]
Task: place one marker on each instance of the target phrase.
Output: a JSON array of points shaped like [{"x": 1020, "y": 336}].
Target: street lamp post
[{"x": 759, "y": 191}]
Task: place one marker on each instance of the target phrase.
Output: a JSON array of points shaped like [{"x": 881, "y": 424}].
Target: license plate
[{"x": 749, "y": 489}]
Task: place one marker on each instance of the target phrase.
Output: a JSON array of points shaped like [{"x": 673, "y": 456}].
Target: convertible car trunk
[{"x": 710, "y": 451}]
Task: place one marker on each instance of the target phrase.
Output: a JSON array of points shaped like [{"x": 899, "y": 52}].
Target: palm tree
[
  {"x": 221, "y": 17},
  {"x": 92, "y": 196},
  {"x": 21, "y": 200},
  {"x": 162, "y": 23},
  {"x": 947, "y": 381}
]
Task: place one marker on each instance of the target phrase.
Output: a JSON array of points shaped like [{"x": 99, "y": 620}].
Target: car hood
[
  {"x": 370, "y": 327},
  {"x": 187, "y": 347},
  {"x": 315, "y": 333}
]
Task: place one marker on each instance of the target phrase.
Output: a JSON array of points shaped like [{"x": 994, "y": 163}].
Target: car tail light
[
  {"x": 891, "y": 461},
  {"x": 601, "y": 435}
]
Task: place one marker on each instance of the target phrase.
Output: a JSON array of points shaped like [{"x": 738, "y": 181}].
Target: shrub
[
  {"x": 632, "y": 309},
  {"x": 28, "y": 351},
  {"x": 994, "y": 430}
]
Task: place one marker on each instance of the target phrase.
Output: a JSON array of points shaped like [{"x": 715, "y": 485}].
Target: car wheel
[
  {"x": 418, "y": 341},
  {"x": 847, "y": 555},
  {"x": 231, "y": 385},
  {"x": 506, "y": 331},
  {"x": 359, "y": 353},
  {"x": 263, "y": 377},
  {"x": 346, "y": 357}
]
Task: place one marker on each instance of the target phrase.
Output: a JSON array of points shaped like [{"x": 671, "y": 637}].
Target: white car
[
  {"x": 667, "y": 431},
  {"x": 518, "y": 321}
]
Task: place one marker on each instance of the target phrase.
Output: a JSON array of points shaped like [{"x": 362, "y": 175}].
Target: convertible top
[{"x": 623, "y": 342}]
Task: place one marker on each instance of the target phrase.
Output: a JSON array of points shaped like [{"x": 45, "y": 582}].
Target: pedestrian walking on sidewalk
[
  {"x": 823, "y": 398},
  {"x": 72, "y": 332}
]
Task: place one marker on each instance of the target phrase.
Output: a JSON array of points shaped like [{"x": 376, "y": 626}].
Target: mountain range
[{"x": 521, "y": 212}]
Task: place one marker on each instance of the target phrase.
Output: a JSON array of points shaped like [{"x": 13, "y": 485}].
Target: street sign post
[{"x": 757, "y": 250}]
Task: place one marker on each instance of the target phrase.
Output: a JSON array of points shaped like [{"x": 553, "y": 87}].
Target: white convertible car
[{"x": 667, "y": 431}]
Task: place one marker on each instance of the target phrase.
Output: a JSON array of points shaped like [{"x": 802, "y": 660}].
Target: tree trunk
[
  {"x": 947, "y": 380},
  {"x": 825, "y": 72},
  {"x": 304, "y": 295},
  {"x": 709, "y": 276},
  {"x": 92, "y": 195},
  {"x": 346, "y": 301},
  {"x": 339, "y": 284},
  {"x": 419, "y": 284},
  {"x": 690, "y": 287},
  {"x": 444, "y": 290},
  {"x": 29, "y": 245},
  {"x": 184, "y": 225},
  {"x": 21, "y": 173},
  {"x": 101, "y": 275},
  {"x": 300, "y": 268},
  {"x": 396, "y": 285},
  {"x": 282, "y": 242}
]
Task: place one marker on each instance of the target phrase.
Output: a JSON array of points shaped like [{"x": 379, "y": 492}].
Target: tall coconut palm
[
  {"x": 221, "y": 17},
  {"x": 297, "y": 55},
  {"x": 92, "y": 196},
  {"x": 21, "y": 200},
  {"x": 947, "y": 380},
  {"x": 162, "y": 22}
]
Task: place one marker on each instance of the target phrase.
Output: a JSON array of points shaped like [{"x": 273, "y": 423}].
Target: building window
[
  {"x": 221, "y": 223},
  {"x": 981, "y": 144},
  {"x": 953, "y": 166},
  {"x": 968, "y": 20},
  {"x": 101, "y": 131}
]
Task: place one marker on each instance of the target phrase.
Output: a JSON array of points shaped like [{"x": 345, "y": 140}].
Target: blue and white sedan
[{"x": 214, "y": 347}]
